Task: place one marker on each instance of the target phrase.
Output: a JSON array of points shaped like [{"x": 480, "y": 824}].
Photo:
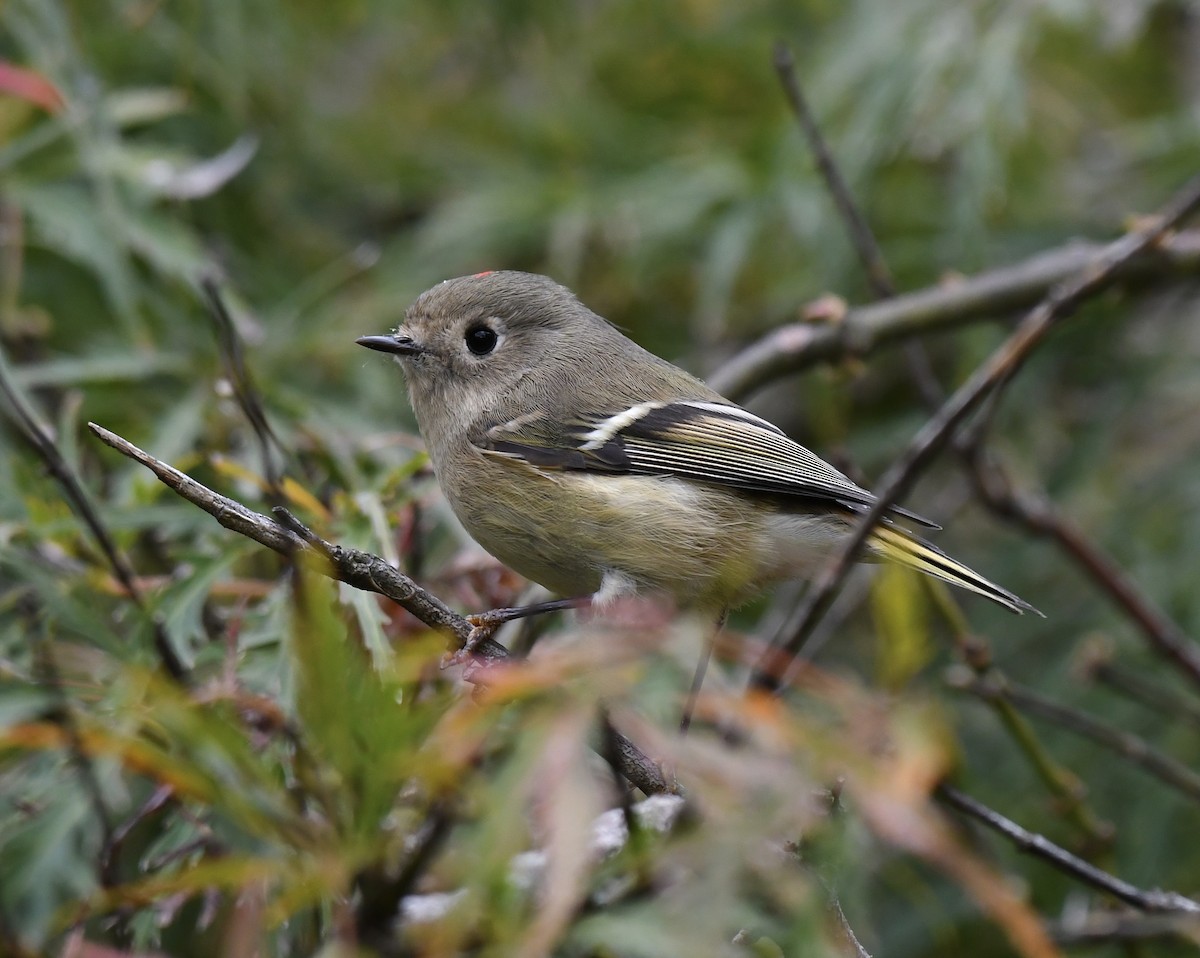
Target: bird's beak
[{"x": 397, "y": 344}]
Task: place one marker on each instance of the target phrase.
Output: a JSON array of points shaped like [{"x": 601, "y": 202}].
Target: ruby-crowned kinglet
[{"x": 594, "y": 467}]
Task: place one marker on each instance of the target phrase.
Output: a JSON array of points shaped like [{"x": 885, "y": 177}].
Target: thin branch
[
  {"x": 985, "y": 296},
  {"x": 991, "y": 482},
  {"x": 610, "y": 752},
  {"x": 1136, "y": 749},
  {"x": 999, "y": 367},
  {"x": 1037, "y": 514},
  {"x": 38, "y": 437},
  {"x": 851, "y": 938},
  {"x": 245, "y": 390},
  {"x": 1105, "y": 927},
  {"x": 1167, "y": 638},
  {"x": 1153, "y": 695},
  {"x": 1153, "y": 900},
  {"x": 65, "y": 719},
  {"x": 864, "y": 240},
  {"x": 1068, "y": 791},
  {"x": 359, "y": 569}
]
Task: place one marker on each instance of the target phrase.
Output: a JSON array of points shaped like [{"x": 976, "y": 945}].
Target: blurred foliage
[{"x": 328, "y": 161}]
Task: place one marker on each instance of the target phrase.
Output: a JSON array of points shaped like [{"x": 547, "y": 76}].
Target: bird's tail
[{"x": 905, "y": 549}]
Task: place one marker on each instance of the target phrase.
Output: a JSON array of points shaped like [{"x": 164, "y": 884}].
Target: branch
[
  {"x": 1125, "y": 744},
  {"x": 361, "y": 570},
  {"x": 1107, "y": 927},
  {"x": 1004, "y": 363},
  {"x": 40, "y": 441},
  {"x": 1041, "y": 847},
  {"x": 991, "y": 483},
  {"x": 1153, "y": 695},
  {"x": 247, "y": 394},
  {"x": 984, "y": 296},
  {"x": 1037, "y": 515},
  {"x": 1068, "y": 791},
  {"x": 865, "y": 244}
]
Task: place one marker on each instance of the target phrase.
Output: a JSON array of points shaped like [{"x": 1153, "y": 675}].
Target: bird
[{"x": 599, "y": 470}]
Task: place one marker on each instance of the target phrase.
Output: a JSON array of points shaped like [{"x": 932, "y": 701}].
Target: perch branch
[{"x": 359, "y": 569}]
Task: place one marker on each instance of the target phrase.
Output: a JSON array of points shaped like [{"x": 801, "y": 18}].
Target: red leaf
[{"x": 28, "y": 85}]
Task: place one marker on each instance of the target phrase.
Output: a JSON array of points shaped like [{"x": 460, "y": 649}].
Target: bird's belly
[
  {"x": 704, "y": 545},
  {"x": 570, "y": 529}
]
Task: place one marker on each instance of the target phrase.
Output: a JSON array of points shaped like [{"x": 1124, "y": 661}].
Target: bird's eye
[{"x": 481, "y": 340}]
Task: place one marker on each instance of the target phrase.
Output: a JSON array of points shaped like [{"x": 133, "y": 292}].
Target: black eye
[{"x": 481, "y": 340}]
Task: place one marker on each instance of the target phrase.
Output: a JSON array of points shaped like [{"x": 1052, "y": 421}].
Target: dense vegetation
[{"x": 311, "y": 765}]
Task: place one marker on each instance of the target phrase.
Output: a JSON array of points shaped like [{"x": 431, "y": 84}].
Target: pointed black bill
[{"x": 397, "y": 345}]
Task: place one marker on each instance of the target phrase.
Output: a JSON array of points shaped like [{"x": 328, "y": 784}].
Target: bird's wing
[{"x": 704, "y": 441}]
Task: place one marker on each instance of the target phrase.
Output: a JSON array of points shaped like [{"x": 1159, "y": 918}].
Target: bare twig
[
  {"x": 1037, "y": 514},
  {"x": 999, "y": 367},
  {"x": 1070, "y": 794},
  {"x": 986, "y": 296},
  {"x": 1102, "y": 926},
  {"x": 244, "y": 388},
  {"x": 851, "y": 938},
  {"x": 1167, "y": 638},
  {"x": 1126, "y": 744},
  {"x": 1153, "y": 900},
  {"x": 38, "y": 437},
  {"x": 864, "y": 240},
  {"x": 1153, "y": 695},
  {"x": 987, "y": 473},
  {"x": 359, "y": 569},
  {"x": 610, "y": 752}
]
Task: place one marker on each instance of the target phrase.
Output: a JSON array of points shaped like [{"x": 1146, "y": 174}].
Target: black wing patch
[{"x": 704, "y": 441}]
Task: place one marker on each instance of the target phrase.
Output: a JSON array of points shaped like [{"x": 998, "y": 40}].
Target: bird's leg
[
  {"x": 689, "y": 707},
  {"x": 613, "y": 586},
  {"x": 484, "y": 624}
]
